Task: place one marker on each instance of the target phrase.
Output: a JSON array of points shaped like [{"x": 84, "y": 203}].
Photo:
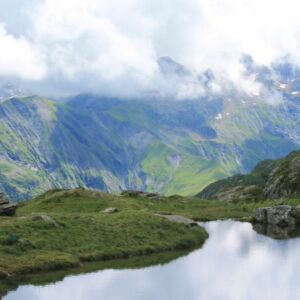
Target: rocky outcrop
[
  {"x": 133, "y": 193},
  {"x": 240, "y": 193},
  {"x": 46, "y": 219},
  {"x": 178, "y": 219},
  {"x": 279, "y": 222},
  {"x": 282, "y": 215},
  {"x": 271, "y": 179},
  {"x": 284, "y": 180},
  {"x": 6, "y": 208}
]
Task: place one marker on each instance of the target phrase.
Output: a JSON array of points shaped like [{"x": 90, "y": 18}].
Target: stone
[
  {"x": 110, "y": 210},
  {"x": 282, "y": 215},
  {"x": 133, "y": 193},
  {"x": 6, "y": 208},
  {"x": 178, "y": 219},
  {"x": 260, "y": 215},
  {"x": 296, "y": 214},
  {"x": 46, "y": 219}
]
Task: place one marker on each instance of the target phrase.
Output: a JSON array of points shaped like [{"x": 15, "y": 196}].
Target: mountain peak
[
  {"x": 168, "y": 66},
  {"x": 9, "y": 90}
]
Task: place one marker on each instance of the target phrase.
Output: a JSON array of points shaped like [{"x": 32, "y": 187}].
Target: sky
[{"x": 112, "y": 47}]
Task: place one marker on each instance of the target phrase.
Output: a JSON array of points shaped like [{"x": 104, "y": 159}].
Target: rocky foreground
[
  {"x": 279, "y": 222},
  {"x": 282, "y": 215}
]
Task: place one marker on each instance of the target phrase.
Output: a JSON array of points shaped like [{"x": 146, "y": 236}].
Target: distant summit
[
  {"x": 168, "y": 66},
  {"x": 8, "y": 90}
]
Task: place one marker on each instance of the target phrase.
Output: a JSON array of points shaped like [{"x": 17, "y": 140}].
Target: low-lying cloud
[{"x": 112, "y": 47}]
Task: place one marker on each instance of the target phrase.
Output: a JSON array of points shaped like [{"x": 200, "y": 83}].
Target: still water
[{"x": 235, "y": 263}]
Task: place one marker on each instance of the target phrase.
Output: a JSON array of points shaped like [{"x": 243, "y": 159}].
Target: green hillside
[
  {"x": 62, "y": 229},
  {"x": 270, "y": 179},
  {"x": 171, "y": 147}
]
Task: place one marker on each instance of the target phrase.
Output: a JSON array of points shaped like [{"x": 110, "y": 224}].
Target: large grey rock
[
  {"x": 260, "y": 215},
  {"x": 178, "y": 219},
  {"x": 296, "y": 213},
  {"x": 6, "y": 208},
  {"x": 282, "y": 215},
  {"x": 133, "y": 193}
]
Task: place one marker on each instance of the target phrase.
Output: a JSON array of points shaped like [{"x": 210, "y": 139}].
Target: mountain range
[{"x": 161, "y": 145}]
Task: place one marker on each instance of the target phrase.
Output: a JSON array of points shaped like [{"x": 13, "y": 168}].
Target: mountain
[
  {"x": 8, "y": 90},
  {"x": 167, "y": 146},
  {"x": 270, "y": 179}
]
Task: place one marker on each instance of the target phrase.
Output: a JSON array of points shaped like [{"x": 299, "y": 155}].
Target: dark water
[{"x": 234, "y": 264}]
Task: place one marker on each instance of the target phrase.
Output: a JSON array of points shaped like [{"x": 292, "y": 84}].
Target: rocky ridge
[{"x": 270, "y": 179}]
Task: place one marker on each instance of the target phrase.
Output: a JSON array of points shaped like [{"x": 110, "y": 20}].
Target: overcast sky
[{"x": 112, "y": 47}]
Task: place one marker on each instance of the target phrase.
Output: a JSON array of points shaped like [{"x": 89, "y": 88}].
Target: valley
[{"x": 167, "y": 147}]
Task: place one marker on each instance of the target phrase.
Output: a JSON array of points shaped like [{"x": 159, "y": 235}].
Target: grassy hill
[
  {"x": 270, "y": 179},
  {"x": 64, "y": 228}
]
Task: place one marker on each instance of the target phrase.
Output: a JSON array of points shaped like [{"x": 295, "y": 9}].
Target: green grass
[
  {"x": 135, "y": 262},
  {"x": 80, "y": 237},
  {"x": 79, "y": 231}
]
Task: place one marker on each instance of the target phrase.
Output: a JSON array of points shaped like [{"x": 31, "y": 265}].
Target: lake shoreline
[
  {"x": 124, "y": 260},
  {"x": 64, "y": 229}
]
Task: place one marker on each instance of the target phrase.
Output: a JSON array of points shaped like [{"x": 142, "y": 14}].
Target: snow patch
[
  {"x": 283, "y": 85},
  {"x": 219, "y": 117}
]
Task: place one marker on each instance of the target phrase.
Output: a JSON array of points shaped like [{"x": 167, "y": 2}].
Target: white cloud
[
  {"x": 19, "y": 58},
  {"x": 112, "y": 46}
]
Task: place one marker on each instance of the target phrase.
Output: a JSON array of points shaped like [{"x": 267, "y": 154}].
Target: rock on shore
[{"x": 282, "y": 215}]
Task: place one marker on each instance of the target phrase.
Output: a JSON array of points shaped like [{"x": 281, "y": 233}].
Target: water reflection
[
  {"x": 235, "y": 263},
  {"x": 277, "y": 232}
]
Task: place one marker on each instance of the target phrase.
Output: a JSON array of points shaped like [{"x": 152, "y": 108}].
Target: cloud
[
  {"x": 112, "y": 47},
  {"x": 19, "y": 58}
]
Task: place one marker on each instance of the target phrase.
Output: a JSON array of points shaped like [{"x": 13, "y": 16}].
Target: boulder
[
  {"x": 133, "y": 193},
  {"x": 282, "y": 215},
  {"x": 110, "y": 210},
  {"x": 178, "y": 219},
  {"x": 260, "y": 215},
  {"x": 6, "y": 208},
  {"x": 46, "y": 219}
]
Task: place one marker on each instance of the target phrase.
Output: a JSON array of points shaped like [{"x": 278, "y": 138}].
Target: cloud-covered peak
[{"x": 130, "y": 47}]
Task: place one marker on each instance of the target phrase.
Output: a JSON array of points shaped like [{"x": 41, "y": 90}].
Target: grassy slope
[
  {"x": 192, "y": 173},
  {"x": 85, "y": 232},
  {"x": 272, "y": 179}
]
